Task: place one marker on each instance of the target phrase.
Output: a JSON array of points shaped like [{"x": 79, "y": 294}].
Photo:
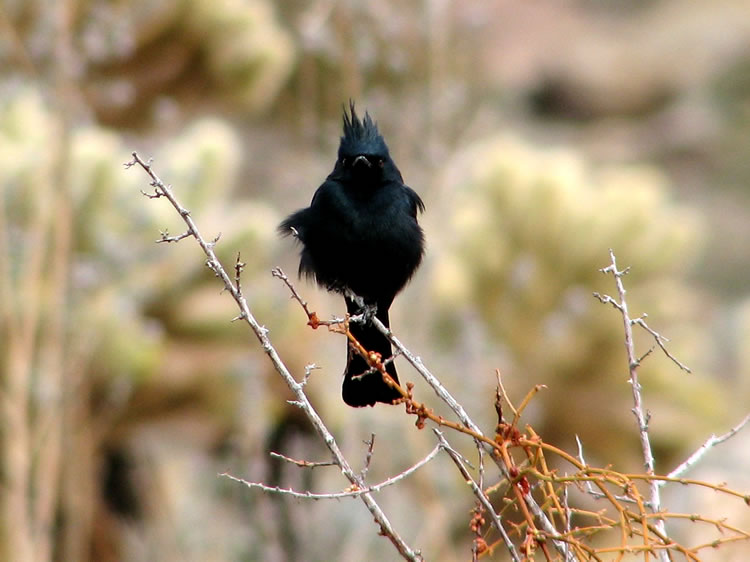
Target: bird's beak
[{"x": 363, "y": 159}]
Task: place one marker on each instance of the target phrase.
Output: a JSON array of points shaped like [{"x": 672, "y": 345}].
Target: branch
[
  {"x": 467, "y": 426},
  {"x": 590, "y": 489},
  {"x": 301, "y": 464},
  {"x": 368, "y": 458},
  {"x": 165, "y": 237},
  {"x": 261, "y": 333},
  {"x": 633, "y": 364},
  {"x": 352, "y": 492},
  {"x": 635, "y": 522},
  {"x": 458, "y": 461},
  {"x": 660, "y": 341},
  {"x": 703, "y": 449},
  {"x": 488, "y": 445}
]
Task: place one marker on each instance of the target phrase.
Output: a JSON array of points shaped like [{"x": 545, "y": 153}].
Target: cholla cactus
[
  {"x": 529, "y": 230},
  {"x": 93, "y": 310},
  {"x": 134, "y": 60}
]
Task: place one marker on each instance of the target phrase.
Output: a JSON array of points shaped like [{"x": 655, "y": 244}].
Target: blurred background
[{"x": 539, "y": 134}]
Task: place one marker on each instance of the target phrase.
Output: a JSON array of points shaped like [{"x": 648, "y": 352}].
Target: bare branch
[
  {"x": 606, "y": 299},
  {"x": 239, "y": 265},
  {"x": 301, "y": 464},
  {"x": 519, "y": 454},
  {"x": 352, "y": 492},
  {"x": 599, "y": 495},
  {"x": 368, "y": 458},
  {"x": 261, "y": 334},
  {"x": 633, "y": 364},
  {"x": 661, "y": 341},
  {"x": 279, "y": 274},
  {"x": 703, "y": 449},
  {"x": 165, "y": 237},
  {"x": 502, "y": 393},
  {"x": 423, "y": 413},
  {"x": 154, "y": 195},
  {"x": 487, "y": 444},
  {"x": 458, "y": 461},
  {"x": 308, "y": 372}
]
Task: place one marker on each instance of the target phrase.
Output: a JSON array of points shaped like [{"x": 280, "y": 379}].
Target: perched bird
[{"x": 360, "y": 237}]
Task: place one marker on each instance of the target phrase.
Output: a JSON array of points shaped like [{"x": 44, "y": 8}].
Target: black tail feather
[{"x": 371, "y": 388}]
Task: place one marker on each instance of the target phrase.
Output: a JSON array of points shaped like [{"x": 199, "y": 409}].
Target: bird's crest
[{"x": 361, "y": 136}]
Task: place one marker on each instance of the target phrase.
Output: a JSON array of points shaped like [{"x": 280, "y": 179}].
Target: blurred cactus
[
  {"x": 530, "y": 229},
  {"x": 735, "y": 337},
  {"x": 132, "y": 56},
  {"x": 130, "y": 361},
  {"x": 133, "y": 309}
]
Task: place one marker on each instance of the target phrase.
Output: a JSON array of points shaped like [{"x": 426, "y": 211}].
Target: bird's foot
[{"x": 365, "y": 310}]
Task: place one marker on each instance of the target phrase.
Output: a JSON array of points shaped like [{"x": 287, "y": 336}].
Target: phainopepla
[{"x": 360, "y": 236}]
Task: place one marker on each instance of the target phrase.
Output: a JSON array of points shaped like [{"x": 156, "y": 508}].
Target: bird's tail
[{"x": 364, "y": 390}]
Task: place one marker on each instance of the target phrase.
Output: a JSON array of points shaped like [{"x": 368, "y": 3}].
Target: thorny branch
[
  {"x": 301, "y": 463},
  {"x": 532, "y": 474},
  {"x": 703, "y": 449},
  {"x": 467, "y": 426},
  {"x": 569, "y": 547},
  {"x": 370, "y": 447},
  {"x": 163, "y": 190},
  {"x": 661, "y": 341},
  {"x": 352, "y": 492},
  {"x": 633, "y": 363},
  {"x": 478, "y": 492},
  {"x": 656, "y": 482}
]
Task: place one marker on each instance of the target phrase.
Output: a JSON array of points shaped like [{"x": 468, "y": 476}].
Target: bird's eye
[
  {"x": 343, "y": 161},
  {"x": 381, "y": 162}
]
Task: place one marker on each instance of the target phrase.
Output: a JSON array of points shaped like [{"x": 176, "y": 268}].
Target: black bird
[{"x": 360, "y": 236}]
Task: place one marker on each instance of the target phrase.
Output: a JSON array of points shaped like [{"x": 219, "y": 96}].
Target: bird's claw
[
  {"x": 368, "y": 311},
  {"x": 365, "y": 310}
]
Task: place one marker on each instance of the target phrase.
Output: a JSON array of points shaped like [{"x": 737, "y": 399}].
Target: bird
[{"x": 360, "y": 237}]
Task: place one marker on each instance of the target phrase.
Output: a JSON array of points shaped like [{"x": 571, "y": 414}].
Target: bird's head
[{"x": 363, "y": 153}]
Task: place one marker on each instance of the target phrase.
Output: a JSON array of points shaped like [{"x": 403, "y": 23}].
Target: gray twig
[
  {"x": 445, "y": 396},
  {"x": 703, "y": 449},
  {"x": 353, "y": 492},
  {"x": 660, "y": 341},
  {"x": 301, "y": 464},
  {"x": 165, "y": 237},
  {"x": 642, "y": 417},
  {"x": 368, "y": 458},
  {"x": 478, "y": 492},
  {"x": 597, "y": 494},
  {"x": 261, "y": 333}
]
